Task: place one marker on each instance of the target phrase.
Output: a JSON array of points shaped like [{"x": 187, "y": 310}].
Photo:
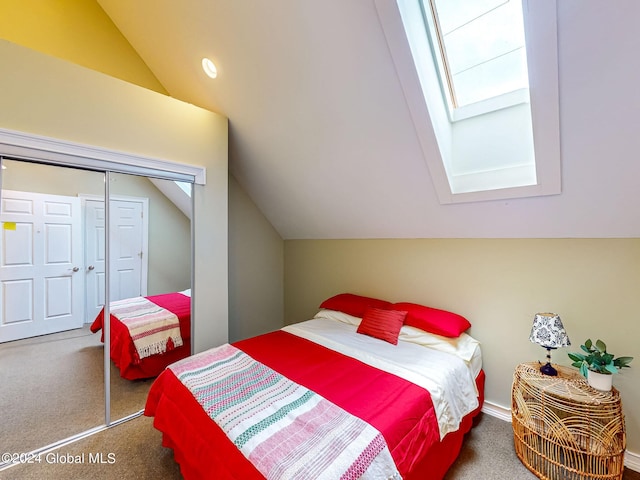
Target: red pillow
[
  {"x": 382, "y": 324},
  {"x": 352, "y": 304},
  {"x": 433, "y": 320}
]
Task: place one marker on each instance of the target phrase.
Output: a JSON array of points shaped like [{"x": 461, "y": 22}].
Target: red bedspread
[
  {"x": 400, "y": 410},
  {"x": 123, "y": 351}
]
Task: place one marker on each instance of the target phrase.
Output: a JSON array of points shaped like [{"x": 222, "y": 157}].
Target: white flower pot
[{"x": 600, "y": 381}]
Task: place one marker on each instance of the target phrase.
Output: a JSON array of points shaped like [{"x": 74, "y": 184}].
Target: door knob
[
  {"x": 91, "y": 267},
  {"x": 75, "y": 269}
]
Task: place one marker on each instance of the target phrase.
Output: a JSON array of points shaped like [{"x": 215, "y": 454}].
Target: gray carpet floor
[
  {"x": 52, "y": 387},
  {"x": 135, "y": 447}
]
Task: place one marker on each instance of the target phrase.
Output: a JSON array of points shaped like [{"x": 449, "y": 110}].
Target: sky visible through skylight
[{"x": 485, "y": 47}]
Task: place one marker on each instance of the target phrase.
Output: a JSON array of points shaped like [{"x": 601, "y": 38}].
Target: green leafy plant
[{"x": 597, "y": 359}]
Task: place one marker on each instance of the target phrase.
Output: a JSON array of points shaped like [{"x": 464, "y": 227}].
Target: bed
[
  {"x": 134, "y": 363},
  {"x": 417, "y": 396}
]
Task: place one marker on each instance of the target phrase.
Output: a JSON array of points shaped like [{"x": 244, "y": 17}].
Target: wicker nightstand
[{"x": 563, "y": 428}]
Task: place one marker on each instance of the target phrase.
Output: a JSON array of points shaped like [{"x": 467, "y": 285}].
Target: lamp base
[{"x": 547, "y": 369}]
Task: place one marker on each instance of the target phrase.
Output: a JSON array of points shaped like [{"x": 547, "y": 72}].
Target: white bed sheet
[
  {"x": 464, "y": 346},
  {"x": 448, "y": 378}
]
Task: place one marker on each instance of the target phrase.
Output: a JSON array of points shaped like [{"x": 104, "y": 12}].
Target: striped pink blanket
[
  {"x": 153, "y": 329},
  {"x": 284, "y": 429}
]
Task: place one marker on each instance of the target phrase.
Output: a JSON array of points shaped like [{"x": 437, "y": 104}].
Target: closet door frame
[{"x": 27, "y": 146}]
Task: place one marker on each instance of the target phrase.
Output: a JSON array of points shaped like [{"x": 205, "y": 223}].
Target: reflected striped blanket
[
  {"x": 153, "y": 329},
  {"x": 284, "y": 429}
]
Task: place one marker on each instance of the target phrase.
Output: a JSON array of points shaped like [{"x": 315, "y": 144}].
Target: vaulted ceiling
[{"x": 321, "y": 136}]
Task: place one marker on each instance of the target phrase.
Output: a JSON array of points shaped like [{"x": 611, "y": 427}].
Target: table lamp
[{"x": 549, "y": 332}]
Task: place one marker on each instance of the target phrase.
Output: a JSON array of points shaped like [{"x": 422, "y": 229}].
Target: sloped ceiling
[{"x": 321, "y": 136}]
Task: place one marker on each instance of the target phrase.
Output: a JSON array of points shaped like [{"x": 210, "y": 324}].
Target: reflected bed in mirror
[{"x": 148, "y": 333}]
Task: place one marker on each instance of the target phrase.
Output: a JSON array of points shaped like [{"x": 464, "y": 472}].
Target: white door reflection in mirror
[
  {"x": 40, "y": 265},
  {"x": 128, "y": 232}
]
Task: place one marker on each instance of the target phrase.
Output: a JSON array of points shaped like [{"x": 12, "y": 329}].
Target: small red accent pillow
[
  {"x": 382, "y": 324},
  {"x": 353, "y": 304},
  {"x": 432, "y": 320}
]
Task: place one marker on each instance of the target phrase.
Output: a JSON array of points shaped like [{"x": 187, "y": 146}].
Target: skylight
[
  {"x": 482, "y": 48},
  {"x": 481, "y": 82}
]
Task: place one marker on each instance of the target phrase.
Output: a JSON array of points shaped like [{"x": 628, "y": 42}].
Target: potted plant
[{"x": 597, "y": 365}]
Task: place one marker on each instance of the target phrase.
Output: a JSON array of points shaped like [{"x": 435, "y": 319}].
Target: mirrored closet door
[
  {"x": 63, "y": 253},
  {"x": 51, "y": 364},
  {"x": 150, "y": 255}
]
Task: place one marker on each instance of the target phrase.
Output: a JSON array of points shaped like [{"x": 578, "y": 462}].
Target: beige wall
[
  {"x": 499, "y": 285},
  {"x": 78, "y": 105},
  {"x": 256, "y": 269}
]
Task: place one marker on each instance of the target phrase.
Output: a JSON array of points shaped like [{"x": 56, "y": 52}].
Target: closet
[{"x": 63, "y": 251}]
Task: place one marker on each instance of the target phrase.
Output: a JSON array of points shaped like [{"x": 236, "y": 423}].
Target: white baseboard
[
  {"x": 498, "y": 411},
  {"x": 631, "y": 460}
]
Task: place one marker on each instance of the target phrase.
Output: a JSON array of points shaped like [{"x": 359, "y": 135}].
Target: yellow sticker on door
[{"x": 9, "y": 225}]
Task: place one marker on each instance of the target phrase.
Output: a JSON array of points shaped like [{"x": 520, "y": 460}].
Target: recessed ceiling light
[{"x": 209, "y": 68}]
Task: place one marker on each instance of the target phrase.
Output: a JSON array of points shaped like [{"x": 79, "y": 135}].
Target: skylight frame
[
  {"x": 438, "y": 50},
  {"x": 458, "y": 112}
]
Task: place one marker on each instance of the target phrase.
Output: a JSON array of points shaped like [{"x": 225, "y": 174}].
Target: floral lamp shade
[{"x": 548, "y": 332}]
